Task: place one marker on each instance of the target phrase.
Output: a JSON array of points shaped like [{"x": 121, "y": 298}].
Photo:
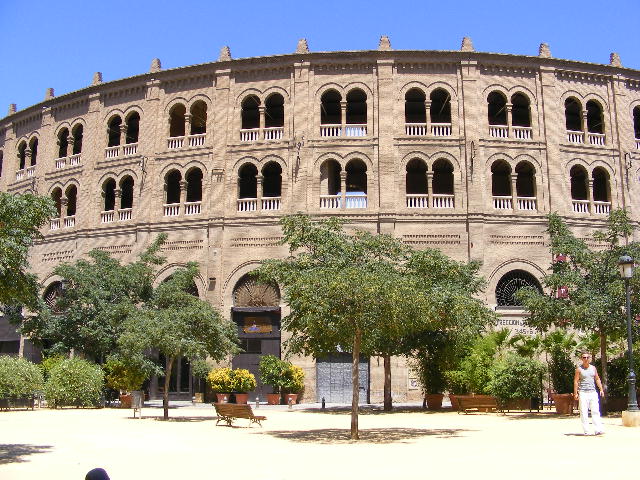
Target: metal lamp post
[{"x": 626, "y": 271}]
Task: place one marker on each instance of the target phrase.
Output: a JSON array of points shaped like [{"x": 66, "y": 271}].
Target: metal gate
[{"x": 333, "y": 374}]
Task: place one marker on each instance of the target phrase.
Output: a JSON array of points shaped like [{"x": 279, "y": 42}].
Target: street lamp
[{"x": 626, "y": 271}]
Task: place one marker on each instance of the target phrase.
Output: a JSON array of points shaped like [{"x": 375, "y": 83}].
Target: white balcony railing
[
  {"x": 580, "y": 206},
  {"x": 499, "y": 131},
  {"x": 355, "y": 130},
  {"x": 521, "y": 133},
  {"x": 271, "y": 203},
  {"x": 331, "y": 130},
  {"x": 107, "y": 217},
  {"x": 417, "y": 200},
  {"x": 273, "y": 133},
  {"x": 637, "y": 143},
  {"x": 70, "y": 221},
  {"x": 247, "y": 204},
  {"x": 112, "y": 152},
  {"x": 31, "y": 171},
  {"x": 355, "y": 200},
  {"x": 61, "y": 162},
  {"x": 172, "y": 210},
  {"x": 175, "y": 142},
  {"x": 442, "y": 200},
  {"x": 75, "y": 160},
  {"x": 125, "y": 214},
  {"x": 602, "y": 208},
  {"x": 574, "y": 136},
  {"x": 19, "y": 175},
  {"x": 415, "y": 129},
  {"x": 502, "y": 203},
  {"x": 527, "y": 203},
  {"x": 441, "y": 129},
  {"x": 192, "y": 208},
  {"x": 130, "y": 149},
  {"x": 596, "y": 138},
  {"x": 54, "y": 224},
  {"x": 197, "y": 140},
  {"x": 250, "y": 135},
  {"x": 330, "y": 201}
]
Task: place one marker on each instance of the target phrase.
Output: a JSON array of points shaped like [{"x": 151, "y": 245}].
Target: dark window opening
[
  {"x": 250, "y": 114},
  {"x": 356, "y": 107},
  {"x": 63, "y": 143},
  {"x": 330, "y": 111},
  {"x": 274, "y": 111},
  {"x": 510, "y": 283},
  {"x": 51, "y": 296},
  {"x": 126, "y": 192},
  {"x": 247, "y": 182},
  {"x": 176, "y": 120},
  {"x": 22, "y": 155},
  {"x": 636, "y": 122},
  {"x": 414, "y": 107},
  {"x": 521, "y": 111},
  {"x": 573, "y": 114},
  {"x": 198, "y": 118},
  {"x": 500, "y": 179},
  {"x": 356, "y": 176},
  {"x": 442, "y": 177},
  {"x": 330, "y": 178},
  {"x": 578, "y": 183},
  {"x": 72, "y": 198},
  {"x": 416, "y": 177},
  {"x": 601, "y": 191},
  {"x": 114, "y": 131},
  {"x": 78, "y": 131},
  {"x": 525, "y": 184},
  {"x": 272, "y": 180},
  {"x": 133, "y": 128},
  {"x": 172, "y": 181},
  {"x": 251, "y": 345},
  {"x": 34, "y": 151},
  {"x": 56, "y": 195},
  {"x": 594, "y": 117},
  {"x": 1, "y": 159},
  {"x": 109, "y": 192},
  {"x": 440, "y": 110},
  {"x": 497, "y": 109},
  {"x": 194, "y": 185},
  {"x": 10, "y": 347}
]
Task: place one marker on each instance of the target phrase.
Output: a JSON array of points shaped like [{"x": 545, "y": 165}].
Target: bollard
[
  {"x": 257, "y": 401},
  {"x": 323, "y": 405},
  {"x": 290, "y": 402}
]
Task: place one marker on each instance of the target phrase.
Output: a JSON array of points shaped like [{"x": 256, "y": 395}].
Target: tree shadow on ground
[
  {"x": 346, "y": 410},
  {"x": 13, "y": 452},
  {"x": 367, "y": 435},
  {"x": 175, "y": 419},
  {"x": 536, "y": 415}
]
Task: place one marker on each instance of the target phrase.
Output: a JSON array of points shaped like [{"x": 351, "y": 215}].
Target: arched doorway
[{"x": 256, "y": 312}]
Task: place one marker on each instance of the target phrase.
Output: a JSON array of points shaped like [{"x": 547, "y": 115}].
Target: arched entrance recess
[{"x": 256, "y": 312}]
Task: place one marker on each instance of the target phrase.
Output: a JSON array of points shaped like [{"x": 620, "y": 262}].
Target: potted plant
[
  {"x": 243, "y": 382},
  {"x": 293, "y": 383},
  {"x": 126, "y": 377},
  {"x": 617, "y": 386},
  {"x": 272, "y": 372},
  {"x": 562, "y": 371},
  {"x": 432, "y": 380},
  {"x": 456, "y": 384},
  {"x": 221, "y": 382},
  {"x": 515, "y": 380}
]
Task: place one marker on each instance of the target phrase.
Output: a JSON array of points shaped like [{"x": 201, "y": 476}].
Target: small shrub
[
  {"x": 220, "y": 380},
  {"x": 293, "y": 379},
  {"x": 123, "y": 375},
  {"x": 456, "y": 382},
  {"x": 49, "y": 362},
  {"x": 618, "y": 373},
  {"x": 19, "y": 377},
  {"x": 272, "y": 371},
  {"x": 74, "y": 382},
  {"x": 243, "y": 381},
  {"x": 562, "y": 371},
  {"x": 515, "y": 376}
]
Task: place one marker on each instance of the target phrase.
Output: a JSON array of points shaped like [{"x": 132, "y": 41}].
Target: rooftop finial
[
  {"x": 97, "y": 78},
  {"x": 225, "y": 54},
  {"x": 156, "y": 66},
  {"x": 303, "y": 46},
  {"x": 49, "y": 94},
  {"x": 544, "y": 51},
  {"x": 614, "y": 60},
  {"x": 385, "y": 43},
  {"x": 13, "y": 108},
  {"x": 467, "y": 45}
]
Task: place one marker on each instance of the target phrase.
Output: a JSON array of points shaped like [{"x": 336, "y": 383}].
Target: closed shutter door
[{"x": 333, "y": 374}]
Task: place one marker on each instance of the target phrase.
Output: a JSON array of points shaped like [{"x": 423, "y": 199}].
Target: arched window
[
  {"x": 414, "y": 106},
  {"x": 356, "y": 107},
  {"x": 133, "y": 128},
  {"x": 77, "y": 134},
  {"x": 356, "y": 176},
  {"x": 72, "y": 198},
  {"x": 109, "y": 194},
  {"x": 594, "y": 117},
  {"x": 250, "y": 114},
  {"x": 510, "y": 283},
  {"x": 113, "y": 131},
  {"x": 573, "y": 114},
  {"x": 176, "y": 120},
  {"x": 440, "y": 110},
  {"x": 579, "y": 184},
  {"x": 601, "y": 189},
  {"x": 500, "y": 179},
  {"x": 51, "y": 296},
  {"x": 247, "y": 182},
  {"x": 330, "y": 178},
  {"x": 521, "y": 111},
  {"x": 63, "y": 143},
  {"x": 22, "y": 155},
  {"x": 442, "y": 177},
  {"x": 274, "y": 111},
  {"x": 198, "y": 118},
  {"x": 172, "y": 186},
  {"x": 56, "y": 196},
  {"x": 194, "y": 185},
  {"x": 272, "y": 180},
  {"x": 33, "y": 146},
  {"x": 126, "y": 192},
  {"x": 497, "y": 109},
  {"x": 636, "y": 122},
  {"x": 525, "y": 180},
  {"x": 416, "y": 177},
  {"x": 330, "y": 111}
]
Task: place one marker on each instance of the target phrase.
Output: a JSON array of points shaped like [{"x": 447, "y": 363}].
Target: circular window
[{"x": 510, "y": 283}]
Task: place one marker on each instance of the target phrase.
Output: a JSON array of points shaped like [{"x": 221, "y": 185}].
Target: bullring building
[{"x": 462, "y": 151}]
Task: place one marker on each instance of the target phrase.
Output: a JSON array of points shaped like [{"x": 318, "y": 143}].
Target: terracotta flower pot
[
  {"x": 563, "y": 403},
  {"x": 273, "y": 399},
  {"x": 223, "y": 397},
  {"x": 291, "y": 396},
  {"x": 241, "y": 398},
  {"x": 125, "y": 400},
  {"x": 434, "y": 401}
]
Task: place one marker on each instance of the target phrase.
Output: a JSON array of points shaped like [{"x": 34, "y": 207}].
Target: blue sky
[{"x": 61, "y": 44}]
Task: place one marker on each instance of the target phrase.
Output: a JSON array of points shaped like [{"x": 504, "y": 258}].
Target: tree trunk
[
  {"x": 388, "y": 402},
  {"x": 355, "y": 379},
  {"x": 605, "y": 373},
  {"x": 165, "y": 394}
]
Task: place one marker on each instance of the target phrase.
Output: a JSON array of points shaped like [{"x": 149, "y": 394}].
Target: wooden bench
[
  {"x": 480, "y": 403},
  {"x": 227, "y": 412}
]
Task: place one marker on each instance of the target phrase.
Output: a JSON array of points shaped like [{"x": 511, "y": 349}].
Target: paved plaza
[{"x": 307, "y": 443}]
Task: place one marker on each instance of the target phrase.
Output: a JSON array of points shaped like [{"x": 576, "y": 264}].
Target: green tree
[
  {"x": 177, "y": 324},
  {"x": 596, "y": 292},
  {"x": 20, "y": 218}
]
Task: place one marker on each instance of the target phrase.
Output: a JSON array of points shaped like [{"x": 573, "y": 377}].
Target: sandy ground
[{"x": 309, "y": 444}]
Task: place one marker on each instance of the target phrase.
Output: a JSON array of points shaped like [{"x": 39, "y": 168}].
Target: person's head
[
  {"x": 585, "y": 357},
  {"x": 97, "y": 474}
]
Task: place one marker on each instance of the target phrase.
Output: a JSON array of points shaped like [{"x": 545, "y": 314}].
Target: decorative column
[
  {"x": 187, "y": 124},
  {"x": 183, "y": 193},
  {"x": 585, "y": 127},
  {"x": 343, "y": 117},
  {"x": 123, "y": 135},
  {"x": 590, "y": 195},
  {"x": 429, "y": 174},
  {"x": 64, "y": 201},
  {"x": 509, "y": 107},
  {"x": 70, "y": 142},
  {"x": 514, "y": 191},
  {"x": 117, "y": 193},
  {"x": 27, "y": 157},
  {"x": 343, "y": 189},
  {"x": 261, "y": 109},
  {"x": 259, "y": 181},
  {"x": 427, "y": 117}
]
